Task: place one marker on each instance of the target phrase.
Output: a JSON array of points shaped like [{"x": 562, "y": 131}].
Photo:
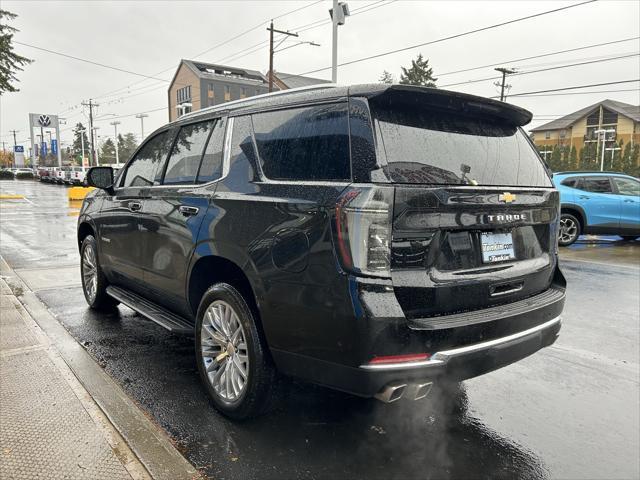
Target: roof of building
[
  {"x": 297, "y": 81},
  {"x": 630, "y": 111},
  {"x": 219, "y": 72}
]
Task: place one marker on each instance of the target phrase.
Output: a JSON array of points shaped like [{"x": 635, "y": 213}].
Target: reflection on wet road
[{"x": 569, "y": 411}]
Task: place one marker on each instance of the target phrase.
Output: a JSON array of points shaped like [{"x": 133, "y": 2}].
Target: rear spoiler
[{"x": 434, "y": 98}]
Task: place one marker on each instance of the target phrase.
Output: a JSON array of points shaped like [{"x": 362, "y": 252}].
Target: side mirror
[{"x": 100, "y": 177}]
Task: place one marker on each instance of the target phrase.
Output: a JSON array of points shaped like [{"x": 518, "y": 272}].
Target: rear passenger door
[
  {"x": 173, "y": 212},
  {"x": 600, "y": 204}
]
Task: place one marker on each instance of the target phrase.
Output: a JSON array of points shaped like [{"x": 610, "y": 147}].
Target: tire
[
  {"x": 94, "y": 283},
  {"x": 570, "y": 229},
  {"x": 629, "y": 238},
  {"x": 243, "y": 383}
]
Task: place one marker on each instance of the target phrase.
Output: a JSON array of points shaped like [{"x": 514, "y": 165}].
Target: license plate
[{"x": 497, "y": 247}]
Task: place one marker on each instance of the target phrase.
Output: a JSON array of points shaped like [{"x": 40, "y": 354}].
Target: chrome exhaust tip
[
  {"x": 421, "y": 390},
  {"x": 391, "y": 393}
]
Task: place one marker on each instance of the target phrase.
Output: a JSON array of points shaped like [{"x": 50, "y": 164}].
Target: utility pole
[
  {"x": 141, "y": 116},
  {"x": 95, "y": 134},
  {"x": 502, "y": 85},
  {"x": 115, "y": 124},
  {"x": 338, "y": 14},
  {"x": 271, "y": 48},
  {"x": 15, "y": 142},
  {"x": 93, "y": 147}
]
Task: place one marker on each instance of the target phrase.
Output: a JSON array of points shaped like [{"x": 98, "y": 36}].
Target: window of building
[
  {"x": 142, "y": 170},
  {"x": 187, "y": 153},
  {"x": 210, "y": 92},
  {"x": 309, "y": 143},
  {"x": 211, "y": 168},
  {"x": 563, "y": 133},
  {"x": 609, "y": 117},
  {"x": 243, "y": 92},
  {"x": 547, "y": 135},
  {"x": 184, "y": 94},
  {"x": 594, "y": 117},
  {"x": 596, "y": 184},
  {"x": 227, "y": 93}
]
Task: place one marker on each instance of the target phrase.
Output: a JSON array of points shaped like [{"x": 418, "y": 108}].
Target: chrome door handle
[
  {"x": 135, "y": 206},
  {"x": 584, "y": 197},
  {"x": 188, "y": 211}
]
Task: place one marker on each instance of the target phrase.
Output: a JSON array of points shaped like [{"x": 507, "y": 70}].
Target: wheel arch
[
  {"x": 212, "y": 269},
  {"x": 85, "y": 228},
  {"x": 577, "y": 212}
]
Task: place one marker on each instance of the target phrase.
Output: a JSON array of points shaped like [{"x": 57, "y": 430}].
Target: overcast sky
[{"x": 151, "y": 37}]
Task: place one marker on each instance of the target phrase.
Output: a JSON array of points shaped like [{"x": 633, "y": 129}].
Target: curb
[{"x": 149, "y": 443}]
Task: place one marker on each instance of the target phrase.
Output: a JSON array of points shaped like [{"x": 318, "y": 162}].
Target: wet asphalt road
[{"x": 569, "y": 411}]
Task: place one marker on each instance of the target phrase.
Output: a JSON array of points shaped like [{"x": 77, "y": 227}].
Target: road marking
[{"x": 5, "y": 196}]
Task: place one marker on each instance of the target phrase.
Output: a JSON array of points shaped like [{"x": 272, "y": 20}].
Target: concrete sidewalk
[{"x": 51, "y": 426}]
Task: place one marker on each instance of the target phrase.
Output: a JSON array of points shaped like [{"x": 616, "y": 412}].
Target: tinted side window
[
  {"x": 571, "y": 182},
  {"x": 211, "y": 168},
  {"x": 596, "y": 184},
  {"x": 142, "y": 169},
  {"x": 626, "y": 186},
  {"x": 310, "y": 143},
  {"x": 186, "y": 153}
]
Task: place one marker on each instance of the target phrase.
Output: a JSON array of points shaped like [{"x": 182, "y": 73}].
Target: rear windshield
[{"x": 440, "y": 148}]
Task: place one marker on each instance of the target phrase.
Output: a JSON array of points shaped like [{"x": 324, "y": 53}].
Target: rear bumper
[{"x": 452, "y": 364}]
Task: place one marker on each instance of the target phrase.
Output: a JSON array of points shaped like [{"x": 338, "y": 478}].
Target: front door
[{"x": 121, "y": 245}]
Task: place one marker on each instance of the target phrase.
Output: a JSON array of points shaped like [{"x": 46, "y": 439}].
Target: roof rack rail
[
  {"x": 567, "y": 172},
  {"x": 222, "y": 106}
]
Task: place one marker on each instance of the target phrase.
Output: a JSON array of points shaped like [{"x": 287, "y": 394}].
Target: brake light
[
  {"x": 412, "y": 357},
  {"x": 363, "y": 230}
]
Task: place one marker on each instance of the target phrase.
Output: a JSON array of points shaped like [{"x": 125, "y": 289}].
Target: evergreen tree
[
  {"x": 573, "y": 159},
  {"x": 418, "y": 74},
  {"x": 126, "y": 146},
  {"x": 10, "y": 62},
  {"x": 386, "y": 77},
  {"x": 555, "y": 161},
  {"x": 107, "y": 152},
  {"x": 78, "y": 135}
]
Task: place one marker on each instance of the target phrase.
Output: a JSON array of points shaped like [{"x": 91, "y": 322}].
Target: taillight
[{"x": 363, "y": 230}]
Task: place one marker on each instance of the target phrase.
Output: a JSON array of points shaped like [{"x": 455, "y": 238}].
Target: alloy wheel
[
  {"x": 224, "y": 351},
  {"x": 568, "y": 230},
  {"x": 90, "y": 272}
]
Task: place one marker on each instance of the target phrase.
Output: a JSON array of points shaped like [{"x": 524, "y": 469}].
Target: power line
[
  {"x": 581, "y": 93},
  {"x": 217, "y": 45},
  {"x": 450, "y": 37},
  {"x": 572, "y": 88},
  {"x": 542, "y": 70},
  {"x": 89, "y": 61},
  {"x": 537, "y": 56}
]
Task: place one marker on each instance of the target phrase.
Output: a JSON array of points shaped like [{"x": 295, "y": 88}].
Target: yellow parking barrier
[
  {"x": 78, "y": 193},
  {"x": 5, "y": 196}
]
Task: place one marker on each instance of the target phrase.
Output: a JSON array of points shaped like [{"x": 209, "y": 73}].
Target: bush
[
  {"x": 6, "y": 175},
  {"x": 24, "y": 176}
]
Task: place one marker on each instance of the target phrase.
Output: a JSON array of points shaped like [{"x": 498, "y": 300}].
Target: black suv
[{"x": 375, "y": 239}]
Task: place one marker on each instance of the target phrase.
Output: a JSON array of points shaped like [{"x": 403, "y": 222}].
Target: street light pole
[
  {"x": 115, "y": 124},
  {"x": 82, "y": 146},
  {"x": 141, "y": 116},
  {"x": 604, "y": 140},
  {"x": 338, "y": 14},
  {"x": 613, "y": 151}
]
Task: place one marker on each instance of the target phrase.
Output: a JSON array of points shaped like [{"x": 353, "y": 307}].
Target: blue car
[{"x": 601, "y": 203}]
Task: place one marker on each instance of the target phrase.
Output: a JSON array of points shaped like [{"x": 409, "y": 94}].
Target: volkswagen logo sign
[{"x": 44, "y": 120}]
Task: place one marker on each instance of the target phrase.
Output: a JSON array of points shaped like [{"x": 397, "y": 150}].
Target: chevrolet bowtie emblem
[{"x": 506, "y": 197}]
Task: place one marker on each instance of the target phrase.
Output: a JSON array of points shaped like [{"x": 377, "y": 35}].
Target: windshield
[{"x": 442, "y": 148}]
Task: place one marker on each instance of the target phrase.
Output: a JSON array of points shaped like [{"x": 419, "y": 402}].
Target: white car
[{"x": 77, "y": 175}]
